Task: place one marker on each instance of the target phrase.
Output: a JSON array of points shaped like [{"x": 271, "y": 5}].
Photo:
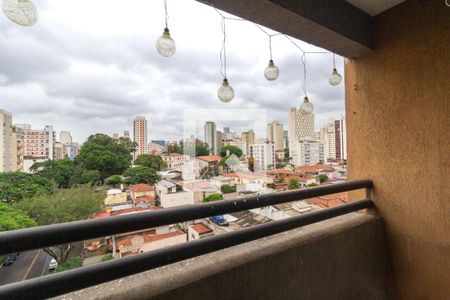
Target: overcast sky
[{"x": 91, "y": 66}]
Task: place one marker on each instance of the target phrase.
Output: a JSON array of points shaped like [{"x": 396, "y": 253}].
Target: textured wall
[{"x": 398, "y": 124}]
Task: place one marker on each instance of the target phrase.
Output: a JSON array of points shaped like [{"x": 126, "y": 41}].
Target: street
[{"x": 28, "y": 265}]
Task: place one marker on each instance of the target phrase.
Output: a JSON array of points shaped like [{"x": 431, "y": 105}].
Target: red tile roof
[
  {"x": 133, "y": 210},
  {"x": 316, "y": 168},
  {"x": 210, "y": 158},
  {"x": 142, "y": 187},
  {"x": 102, "y": 215},
  {"x": 201, "y": 228},
  {"x": 148, "y": 199},
  {"x": 148, "y": 238},
  {"x": 329, "y": 200}
]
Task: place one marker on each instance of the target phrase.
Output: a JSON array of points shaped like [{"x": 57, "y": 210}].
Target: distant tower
[
  {"x": 5, "y": 141},
  {"x": 275, "y": 135},
  {"x": 65, "y": 138},
  {"x": 140, "y": 135},
  {"x": 211, "y": 137},
  {"x": 126, "y": 134}
]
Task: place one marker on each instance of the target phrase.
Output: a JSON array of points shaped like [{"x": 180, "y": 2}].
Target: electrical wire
[
  {"x": 223, "y": 59},
  {"x": 167, "y": 14}
]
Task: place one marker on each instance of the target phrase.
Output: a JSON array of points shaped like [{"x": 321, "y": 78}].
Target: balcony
[
  {"x": 397, "y": 109},
  {"x": 337, "y": 247}
]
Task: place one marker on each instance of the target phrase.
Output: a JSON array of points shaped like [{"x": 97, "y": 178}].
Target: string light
[
  {"x": 306, "y": 107},
  {"x": 271, "y": 72},
  {"x": 335, "y": 77},
  {"x": 22, "y": 12},
  {"x": 225, "y": 92},
  {"x": 165, "y": 45}
]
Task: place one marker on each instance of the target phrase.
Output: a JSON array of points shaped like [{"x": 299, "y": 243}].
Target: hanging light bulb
[
  {"x": 335, "y": 77},
  {"x": 225, "y": 92},
  {"x": 22, "y": 12},
  {"x": 307, "y": 107},
  {"x": 271, "y": 72},
  {"x": 165, "y": 45}
]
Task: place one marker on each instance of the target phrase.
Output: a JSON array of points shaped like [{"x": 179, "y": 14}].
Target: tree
[
  {"x": 151, "y": 161},
  {"x": 71, "y": 263},
  {"x": 15, "y": 186},
  {"x": 228, "y": 189},
  {"x": 201, "y": 150},
  {"x": 128, "y": 144},
  {"x": 213, "y": 197},
  {"x": 12, "y": 218},
  {"x": 114, "y": 180},
  {"x": 58, "y": 171},
  {"x": 312, "y": 184},
  {"x": 230, "y": 150},
  {"x": 175, "y": 148},
  {"x": 104, "y": 154},
  {"x": 107, "y": 257},
  {"x": 135, "y": 175},
  {"x": 63, "y": 206},
  {"x": 322, "y": 178},
  {"x": 293, "y": 184}
]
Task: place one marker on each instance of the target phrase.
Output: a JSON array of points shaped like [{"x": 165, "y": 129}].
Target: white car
[{"x": 53, "y": 264}]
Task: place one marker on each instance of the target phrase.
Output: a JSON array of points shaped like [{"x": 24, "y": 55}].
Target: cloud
[{"x": 92, "y": 67}]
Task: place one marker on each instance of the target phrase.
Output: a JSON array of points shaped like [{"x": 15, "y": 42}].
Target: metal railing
[{"x": 61, "y": 283}]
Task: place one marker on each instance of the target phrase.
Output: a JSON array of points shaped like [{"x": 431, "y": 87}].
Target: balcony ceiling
[
  {"x": 343, "y": 27},
  {"x": 374, "y": 7}
]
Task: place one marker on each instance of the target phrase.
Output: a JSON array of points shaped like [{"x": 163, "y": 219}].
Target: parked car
[
  {"x": 53, "y": 264},
  {"x": 8, "y": 261},
  {"x": 219, "y": 220}
]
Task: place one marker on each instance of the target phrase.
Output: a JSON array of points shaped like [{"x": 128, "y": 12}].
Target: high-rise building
[
  {"x": 140, "y": 135},
  {"x": 308, "y": 153},
  {"x": 286, "y": 139},
  {"x": 226, "y": 130},
  {"x": 275, "y": 135},
  {"x": 38, "y": 143},
  {"x": 263, "y": 155},
  {"x": 333, "y": 136},
  {"x": 59, "y": 151},
  {"x": 17, "y": 144},
  {"x": 5, "y": 140},
  {"x": 341, "y": 139},
  {"x": 65, "y": 138},
  {"x": 115, "y": 136},
  {"x": 301, "y": 127},
  {"x": 126, "y": 134},
  {"x": 219, "y": 140},
  {"x": 211, "y": 137},
  {"x": 72, "y": 150},
  {"x": 327, "y": 137},
  {"x": 248, "y": 138}
]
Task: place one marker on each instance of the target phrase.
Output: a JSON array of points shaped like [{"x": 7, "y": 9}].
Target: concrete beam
[{"x": 333, "y": 25}]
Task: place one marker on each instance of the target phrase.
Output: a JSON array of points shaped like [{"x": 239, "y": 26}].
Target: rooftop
[
  {"x": 210, "y": 158},
  {"x": 142, "y": 187}
]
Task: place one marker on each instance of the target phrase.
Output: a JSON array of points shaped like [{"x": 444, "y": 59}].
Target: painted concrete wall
[
  {"x": 340, "y": 258},
  {"x": 398, "y": 129}
]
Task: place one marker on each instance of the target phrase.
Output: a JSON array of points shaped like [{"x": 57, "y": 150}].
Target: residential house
[
  {"x": 170, "y": 194},
  {"x": 199, "y": 231}
]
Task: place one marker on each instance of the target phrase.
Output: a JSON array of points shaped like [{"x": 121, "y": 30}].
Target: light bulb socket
[
  {"x": 271, "y": 64},
  {"x": 225, "y": 82},
  {"x": 306, "y": 100},
  {"x": 166, "y": 30},
  {"x": 335, "y": 71}
]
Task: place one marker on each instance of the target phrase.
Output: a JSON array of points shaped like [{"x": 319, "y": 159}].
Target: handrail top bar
[{"x": 50, "y": 235}]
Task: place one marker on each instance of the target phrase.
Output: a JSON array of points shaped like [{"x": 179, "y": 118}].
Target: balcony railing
[{"x": 61, "y": 283}]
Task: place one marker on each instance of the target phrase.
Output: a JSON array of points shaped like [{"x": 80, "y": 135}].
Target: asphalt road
[{"x": 28, "y": 265}]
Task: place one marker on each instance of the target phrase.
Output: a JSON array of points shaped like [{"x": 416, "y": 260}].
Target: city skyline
[{"x": 86, "y": 88}]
